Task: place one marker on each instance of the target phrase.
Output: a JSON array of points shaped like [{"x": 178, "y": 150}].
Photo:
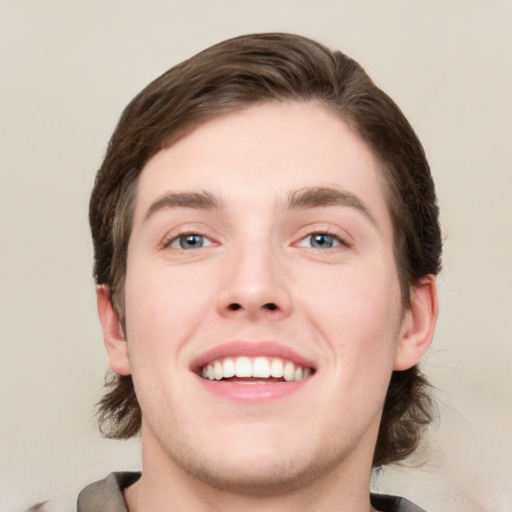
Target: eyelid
[
  {"x": 304, "y": 241},
  {"x": 182, "y": 231},
  {"x": 337, "y": 241},
  {"x": 176, "y": 240},
  {"x": 344, "y": 239}
]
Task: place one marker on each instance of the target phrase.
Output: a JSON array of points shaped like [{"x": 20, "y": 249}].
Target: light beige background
[{"x": 67, "y": 68}]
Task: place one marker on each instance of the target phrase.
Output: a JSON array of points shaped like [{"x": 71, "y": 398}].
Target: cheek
[
  {"x": 160, "y": 318},
  {"x": 163, "y": 308},
  {"x": 356, "y": 309},
  {"x": 362, "y": 290}
]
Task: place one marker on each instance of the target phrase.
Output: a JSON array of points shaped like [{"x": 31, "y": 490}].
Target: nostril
[{"x": 270, "y": 306}]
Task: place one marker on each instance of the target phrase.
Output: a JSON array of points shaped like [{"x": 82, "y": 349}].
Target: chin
[
  {"x": 257, "y": 469},
  {"x": 257, "y": 478}
]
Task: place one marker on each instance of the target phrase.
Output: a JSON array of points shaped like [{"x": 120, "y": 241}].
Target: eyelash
[
  {"x": 337, "y": 240},
  {"x": 181, "y": 238},
  {"x": 178, "y": 239}
]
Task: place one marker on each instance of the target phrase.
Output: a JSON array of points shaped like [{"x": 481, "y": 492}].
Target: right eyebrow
[
  {"x": 196, "y": 200},
  {"x": 317, "y": 197}
]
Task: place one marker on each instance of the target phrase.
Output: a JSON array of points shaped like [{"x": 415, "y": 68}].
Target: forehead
[{"x": 261, "y": 154}]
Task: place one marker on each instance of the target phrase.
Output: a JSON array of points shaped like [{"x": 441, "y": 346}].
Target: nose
[{"x": 255, "y": 284}]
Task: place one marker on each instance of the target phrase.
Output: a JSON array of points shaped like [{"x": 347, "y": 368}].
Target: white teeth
[
  {"x": 217, "y": 370},
  {"x": 277, "y": 368},
  {"x": 261, "y": 368},
  {"x": 228, "y": 368},
  {"x": 243, "y": 367},
  {"x": 258, "y": 368},
  {"x": 289, "y": 371}
]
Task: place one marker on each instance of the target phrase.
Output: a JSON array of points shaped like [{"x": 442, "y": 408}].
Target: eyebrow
[
  {"x": 319, "y": 197},
  {"x": 316, "y": 197},
  {"x": 197, "y": 200}
]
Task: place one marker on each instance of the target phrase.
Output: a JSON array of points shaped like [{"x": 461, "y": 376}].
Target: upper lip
[{"x": 250, "y": 349}]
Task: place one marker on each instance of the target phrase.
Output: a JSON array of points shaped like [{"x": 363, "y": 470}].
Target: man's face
[{"x": 262, "y": 244}]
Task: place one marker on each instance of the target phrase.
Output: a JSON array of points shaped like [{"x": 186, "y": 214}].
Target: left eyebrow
[
  {"x": 196, "y": 200},
  {"x": 319, "y": 197}
]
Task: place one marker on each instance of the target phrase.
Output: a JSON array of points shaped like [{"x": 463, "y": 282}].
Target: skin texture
[{"x": 337, "y": 307}]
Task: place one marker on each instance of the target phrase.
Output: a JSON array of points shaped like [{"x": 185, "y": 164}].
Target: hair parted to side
[{"x": 233, "y": 75}]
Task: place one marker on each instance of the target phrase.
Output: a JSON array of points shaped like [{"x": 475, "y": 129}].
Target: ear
[
  {"x": 418, "y": 324},
  {"x": 113, "y": 336}
]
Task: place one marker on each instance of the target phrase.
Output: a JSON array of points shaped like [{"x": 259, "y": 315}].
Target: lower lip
[{"x": 257, "y": 392}]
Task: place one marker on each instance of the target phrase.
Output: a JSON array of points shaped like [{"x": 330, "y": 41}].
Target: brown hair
[{"x": 235, "y": 74}]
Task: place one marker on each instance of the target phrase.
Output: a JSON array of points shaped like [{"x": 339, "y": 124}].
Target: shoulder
[
  {"x": 106, "y": 495},
  {"x": 386, "y": 503}
]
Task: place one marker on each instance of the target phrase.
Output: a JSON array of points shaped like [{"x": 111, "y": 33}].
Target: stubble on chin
[{"x": 257, "y": 478}]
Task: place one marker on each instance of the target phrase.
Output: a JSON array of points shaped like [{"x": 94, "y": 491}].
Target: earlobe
[
  {"x": 418, "y": 324},
  {"x": 113, "y": 336}
]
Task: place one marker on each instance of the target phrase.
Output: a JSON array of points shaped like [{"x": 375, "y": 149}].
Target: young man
[{"x": 266, "y": 239}]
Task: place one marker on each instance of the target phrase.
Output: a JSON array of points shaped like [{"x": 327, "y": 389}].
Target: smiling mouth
[{"x": 246, "y": 370}]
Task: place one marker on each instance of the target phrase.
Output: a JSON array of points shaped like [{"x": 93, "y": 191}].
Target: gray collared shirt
[{"x": 107, "y": 496}]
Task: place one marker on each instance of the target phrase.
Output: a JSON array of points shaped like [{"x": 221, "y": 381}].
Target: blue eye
[
  {"x": 190, "y": 241},
  {"x": 320, "y": 241}
]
